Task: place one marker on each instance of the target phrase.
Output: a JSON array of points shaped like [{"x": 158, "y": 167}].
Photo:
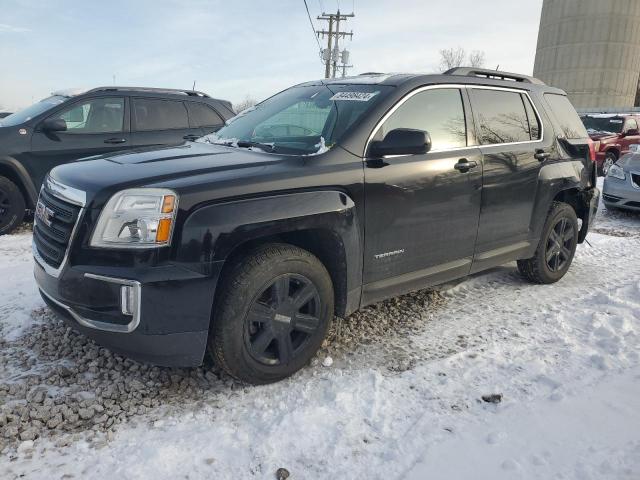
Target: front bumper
[
  {"x": 169, "y": 320},
  {"x": 621, "y": 193}
]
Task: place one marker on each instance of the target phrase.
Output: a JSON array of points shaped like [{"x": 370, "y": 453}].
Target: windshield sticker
[
  {"x": 615, "y": 121},
  {"x": 354, "y": 96}
]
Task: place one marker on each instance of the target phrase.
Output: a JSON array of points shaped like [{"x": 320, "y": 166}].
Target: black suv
[
  {"x": 326, "y": 197},
  {"x": 70, "y": 125}
]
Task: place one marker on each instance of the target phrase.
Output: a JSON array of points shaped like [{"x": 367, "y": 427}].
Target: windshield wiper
[{"x": 269, "y": 147}]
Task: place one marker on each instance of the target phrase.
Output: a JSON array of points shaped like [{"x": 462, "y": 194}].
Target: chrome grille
[{"x": 53, "y": 227}]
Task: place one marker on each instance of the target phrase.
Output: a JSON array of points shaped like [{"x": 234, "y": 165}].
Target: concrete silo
[{"x": 591, "y": 49}]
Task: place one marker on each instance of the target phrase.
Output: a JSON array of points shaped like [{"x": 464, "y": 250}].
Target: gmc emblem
[{"x": 43, "y": 213}]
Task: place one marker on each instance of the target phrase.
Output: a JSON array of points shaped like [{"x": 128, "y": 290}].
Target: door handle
[
  {"x": 115, "y": 140},
  {"x": 541, "y": 155},
  {"x": 191, "y": 137},
  {"x": 464, "y": 165}
]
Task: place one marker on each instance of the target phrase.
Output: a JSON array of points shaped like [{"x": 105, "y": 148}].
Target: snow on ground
[{"x": 565, "y": 358}]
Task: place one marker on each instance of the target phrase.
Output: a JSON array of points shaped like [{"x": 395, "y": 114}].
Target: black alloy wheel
[
  {"x": 282, "y": 319},
  {"x": 559, "y": 245}
]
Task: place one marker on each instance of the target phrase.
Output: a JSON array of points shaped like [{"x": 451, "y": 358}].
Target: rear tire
[
  {"x": 12, "y": 206},
  {"x": 272, "y": 314},
  {"x": 556, "y": 248}
]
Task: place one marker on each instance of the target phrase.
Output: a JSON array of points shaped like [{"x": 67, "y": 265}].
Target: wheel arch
[
  {"x": 325, "y": 223},
  {"x": 15, "y": 171},
  {"x": 568, "y": 182},
  {"x": 613, "y": 149},
  {"x": 325, "y": 244}
]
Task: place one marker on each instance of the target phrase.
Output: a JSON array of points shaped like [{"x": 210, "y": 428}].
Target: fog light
[{"x": 128, "y": 299}]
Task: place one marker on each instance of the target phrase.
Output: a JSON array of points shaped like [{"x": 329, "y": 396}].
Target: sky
[{"x": 240, "y": 48}]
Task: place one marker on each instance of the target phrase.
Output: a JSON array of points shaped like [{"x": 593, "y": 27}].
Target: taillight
[{"x": 592, "y": 150}]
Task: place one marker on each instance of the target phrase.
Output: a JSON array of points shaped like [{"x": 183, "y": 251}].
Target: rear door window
[
  {"x": 155, "y": 114},
  {"x": 439, "y": 112},
  {"x": 570, "y": 124},
  {"x": 201, "y": 115},
  {"x": 500, "y": 116}
]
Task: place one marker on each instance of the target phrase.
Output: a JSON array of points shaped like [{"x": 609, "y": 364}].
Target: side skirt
[{"x": 391, "y": 287}]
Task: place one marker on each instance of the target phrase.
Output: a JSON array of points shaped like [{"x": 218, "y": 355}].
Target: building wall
[{"x": 591, "y": 49}]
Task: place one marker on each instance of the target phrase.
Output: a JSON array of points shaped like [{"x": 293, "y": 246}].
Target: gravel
[{"x": 57, "y": 383}]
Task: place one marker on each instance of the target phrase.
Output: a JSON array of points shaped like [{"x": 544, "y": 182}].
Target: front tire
[
  {"x": 556, "y": 248},
  {"x": 272, "y": 314},
  {"x": 12, "y": 206},
  {"x": 609, "y": 159}
]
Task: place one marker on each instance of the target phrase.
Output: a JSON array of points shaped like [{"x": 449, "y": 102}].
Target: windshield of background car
[
  {"x": 301, "y": 120},
  {"x": 603, "y": 124},
  {"x": 34, "y": 110}
]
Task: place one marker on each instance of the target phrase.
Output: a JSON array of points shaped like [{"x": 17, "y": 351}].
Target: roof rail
[
  {"x": 190, "y": 93},
  {"x": 492, "y": 74}
]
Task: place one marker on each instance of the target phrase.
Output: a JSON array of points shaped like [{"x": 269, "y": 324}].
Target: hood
[
  {"x": 630, "y": 162},
  {"x": 602, "y": 135},
  {"x": 168, "y": 166}
]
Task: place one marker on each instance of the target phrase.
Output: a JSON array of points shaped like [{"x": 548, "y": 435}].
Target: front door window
[{"x": 98, "y": 115}]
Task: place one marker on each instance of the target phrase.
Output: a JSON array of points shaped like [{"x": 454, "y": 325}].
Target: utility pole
[{"x": 331, "y": 54}]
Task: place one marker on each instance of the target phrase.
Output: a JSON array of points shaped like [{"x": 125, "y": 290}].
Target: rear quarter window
[
  {"x": 203, "y": 116},
  {"x": 568, "y": 120}
]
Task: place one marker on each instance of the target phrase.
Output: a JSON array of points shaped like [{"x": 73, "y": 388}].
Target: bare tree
[
  {"x": 457, "y": 57},
  {"x": 244, "y": 104},
  {"x": 451, "y": 58},
  {"x": 476, "y": 59}
]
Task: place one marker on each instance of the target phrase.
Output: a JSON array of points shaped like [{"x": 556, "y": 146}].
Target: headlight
[
  {"x": 616, "y": 172},
  {"x": 137, "y": 218}
]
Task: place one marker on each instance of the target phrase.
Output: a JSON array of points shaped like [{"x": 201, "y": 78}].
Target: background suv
[
  {"x": 612, "y": 135},
  {"x": 70, "y": 125},
  {"x": 326, "y": 197}
]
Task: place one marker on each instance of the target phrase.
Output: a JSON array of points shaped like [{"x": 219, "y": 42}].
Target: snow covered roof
[{"x": 70, "y": 92}]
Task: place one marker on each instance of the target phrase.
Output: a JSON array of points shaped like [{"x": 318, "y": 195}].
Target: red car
[{"x": 612, "y": 135}]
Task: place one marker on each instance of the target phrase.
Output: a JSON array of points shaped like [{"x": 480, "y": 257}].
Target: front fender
[{"x": 210, "y": 233}]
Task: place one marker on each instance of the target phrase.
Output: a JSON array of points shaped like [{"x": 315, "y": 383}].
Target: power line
[{"x": 313, "y": 29}]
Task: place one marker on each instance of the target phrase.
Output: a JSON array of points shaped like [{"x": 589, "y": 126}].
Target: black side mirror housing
[
  {"x": 401, "y": 141},
  {"x": 54, "y": 125},
  {"x": 632, "y": 132}
]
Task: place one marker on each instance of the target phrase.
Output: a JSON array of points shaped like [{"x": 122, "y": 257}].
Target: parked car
[
  {"x": 4, "y": 114},
  {"x": 612, "y": 134},
  {"x": 249, "y": 243},
  {"x": 622, "y": 184},
  {"x": 70, "y": 125}
]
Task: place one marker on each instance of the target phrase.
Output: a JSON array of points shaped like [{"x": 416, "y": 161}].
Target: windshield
[
  {"x": 300, "y": 120},
  {"x": 603, "y": 124},
  {"x": 34, "y": 110}
]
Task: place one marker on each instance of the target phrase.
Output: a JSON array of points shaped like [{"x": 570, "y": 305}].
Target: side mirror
[
  {"x": 401, "y": 141},
  {"x": 632, "y": 132},
  {"x": 54, "y": 125}
]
